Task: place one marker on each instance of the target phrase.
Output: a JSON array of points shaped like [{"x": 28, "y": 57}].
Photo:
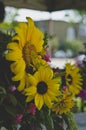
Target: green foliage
[
  {"x": 7, "y": 27},
  {"x": 48, "y": 121},
  {"x": 75, "y": 46},
  {"x": 45, "y": 39},
  {"x": 82, "y": 12},
  {"x": 69, "y": 121},
  {"x": 4, "y": 39}
]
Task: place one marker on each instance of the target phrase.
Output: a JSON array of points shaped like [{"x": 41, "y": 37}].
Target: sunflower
[
  {"x": 64, "y": 103},
  {"x": 44, "y": 87},
  {"x": 73, "y": 78},
  {"x": 27, "y": 43}
]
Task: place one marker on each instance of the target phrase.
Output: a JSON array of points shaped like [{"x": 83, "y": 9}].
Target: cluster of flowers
[
  {"x": 82, "y": 65},
  {"x": 34, "y": 95}
]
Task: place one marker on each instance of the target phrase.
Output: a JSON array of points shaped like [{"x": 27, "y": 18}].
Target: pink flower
[
  {"x": 64, "y": 88},
  {"x": 47, "y": 58},
  {"x": 32, "y": 108},
  {"x": 12, "y": 88},
  {"x": 82, "y": 94},
  {"x": 19, "y": 118}
]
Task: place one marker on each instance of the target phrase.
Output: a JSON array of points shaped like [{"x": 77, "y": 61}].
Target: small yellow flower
[
  {"x": 38, "y": 61},
  {"x": 44, "y": 88},
  {"x": 64, "y": 103},
  {"x": 73, "y": 78}
]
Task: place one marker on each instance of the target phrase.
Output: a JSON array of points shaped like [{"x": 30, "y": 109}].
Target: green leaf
[
  {"x": 2, "y": 90},
  {"x": 11, "y": 110},
  {"x": 49, "y": 122},
  {"x": 2, "y": 97},
  {"x": 59, "y": 74},
  {"x": 13, "y": 99},
  {"x": 45, "y": 39}
]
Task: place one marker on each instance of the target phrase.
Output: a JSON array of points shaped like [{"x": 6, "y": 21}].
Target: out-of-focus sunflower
[
  {"x": 73, "y": 78},
  {"x": 27, "y": 43},
  {"x": 64, "y": 103},
  {"x": 44, "y": 88}
]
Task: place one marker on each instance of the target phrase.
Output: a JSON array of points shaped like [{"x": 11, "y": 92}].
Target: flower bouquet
[{"x": 33, "y": 95}]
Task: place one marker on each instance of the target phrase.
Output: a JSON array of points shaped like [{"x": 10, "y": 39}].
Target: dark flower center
[
  {"x": 27, "y": 52},
  {"x": 42, "y": 87},
  {"x": 70, "y": 79}
]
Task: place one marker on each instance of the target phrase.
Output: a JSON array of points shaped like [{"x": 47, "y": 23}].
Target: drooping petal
[
  {"x": 13, "y": 46},
  {"x": 28, "y": 99},
  {"x": 39, "y": 101},
  {"x": 13, "y": 56},
  {"x": 21, "y": 85},
  {"x": 48, "y": 100},
  {"x": 18, "y": 76},
  {"x": 18, "y": 66}
]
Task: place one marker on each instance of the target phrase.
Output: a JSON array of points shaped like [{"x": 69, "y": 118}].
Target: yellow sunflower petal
[
  {"x": 21, "y": 84},
  {"x": 32, "y": 80},
  {"x": 34, "y": 35},
  {"x": 21, "y": 31},
  {"x": 39, "y": 101},
  {"x": 13, "y": 46},
  {"x": 37, "y": 39},
  {"x": 49, "y": 73},
  {"x": 51, "y": 94},
  {"x": 13, "y": 56},
  {"x": 18, "y": 76},
  {"x": 30, "y": 91},
  {"x": 45, "y": 75},
  {"x": 18, "y": 66},
  {"x": 30, "y": 28},
  {"x": 28, "y": 99},
  {"x": 47, "y": 100}
]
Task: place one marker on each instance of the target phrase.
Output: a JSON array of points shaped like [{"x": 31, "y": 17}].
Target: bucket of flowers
[{"x": 33, "y": 95}]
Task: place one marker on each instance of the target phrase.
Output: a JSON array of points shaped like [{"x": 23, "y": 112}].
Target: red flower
[
  {"x": 82, "y": 94},
  {"x": 47, "y": 58},
  {"x": 19, "y": 118},
  {"x": 64, "y": 88},
  {"x": 32, "y": 108}
]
